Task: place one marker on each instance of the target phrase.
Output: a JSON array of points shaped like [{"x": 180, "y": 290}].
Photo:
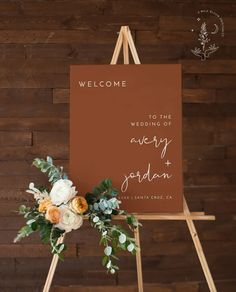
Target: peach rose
[
  {"x": 44, "y": 204},
  {"x": 53, "y": 214},
  {"x": 79, "y": 205}
]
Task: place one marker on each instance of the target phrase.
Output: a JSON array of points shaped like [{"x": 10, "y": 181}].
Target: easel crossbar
[
  {"x": 177, "y": 216},
  {"x": 167, "y": 216}
]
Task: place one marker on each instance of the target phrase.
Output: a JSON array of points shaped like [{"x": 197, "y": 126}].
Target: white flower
[
  {"x": 68, "y": 219},
  {"x": 62, "y": 191}
]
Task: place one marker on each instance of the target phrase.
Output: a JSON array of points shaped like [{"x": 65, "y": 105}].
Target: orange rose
[
  {"x": 53, "y": 214},
  {"x": 79, "y": 204},
  {"x": 44, "y": 204}
]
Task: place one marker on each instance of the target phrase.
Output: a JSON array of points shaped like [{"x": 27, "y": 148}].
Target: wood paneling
[{"x": 38, "y": 42}]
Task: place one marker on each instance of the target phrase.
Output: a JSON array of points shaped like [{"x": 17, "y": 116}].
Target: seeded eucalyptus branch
[
  {"x": 114, "y": 238},
  {"x": 46, "y": 166}
]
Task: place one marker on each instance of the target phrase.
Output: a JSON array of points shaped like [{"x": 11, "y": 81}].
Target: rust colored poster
[{"x": 126, "y": 125}]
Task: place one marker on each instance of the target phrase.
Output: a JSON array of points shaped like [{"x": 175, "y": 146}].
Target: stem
[{"x": 52, "y": 242}]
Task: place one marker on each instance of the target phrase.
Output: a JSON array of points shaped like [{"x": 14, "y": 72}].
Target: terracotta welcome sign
[{"x": 126, "y": 125}]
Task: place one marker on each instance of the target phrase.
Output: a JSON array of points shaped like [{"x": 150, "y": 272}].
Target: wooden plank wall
[{"x": 38, "y": 42}]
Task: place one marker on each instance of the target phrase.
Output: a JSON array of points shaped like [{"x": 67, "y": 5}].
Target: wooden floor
[
  {"x": 38, "y": 42},
  {"x": 191, "y": 287},
  {"x": 175, "y": 287}
]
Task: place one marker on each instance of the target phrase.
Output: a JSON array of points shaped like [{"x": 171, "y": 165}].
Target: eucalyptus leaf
[{"x": 108, "y": 250}]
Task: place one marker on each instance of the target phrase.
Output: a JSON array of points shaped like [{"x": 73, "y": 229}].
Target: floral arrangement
[{"x": 60, "y": 210}]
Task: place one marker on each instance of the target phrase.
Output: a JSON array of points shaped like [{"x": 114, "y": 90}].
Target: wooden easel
[{"x": 125, "y": 39}]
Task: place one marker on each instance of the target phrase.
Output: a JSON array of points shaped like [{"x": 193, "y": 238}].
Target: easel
[{"x": 125, "y": 39}]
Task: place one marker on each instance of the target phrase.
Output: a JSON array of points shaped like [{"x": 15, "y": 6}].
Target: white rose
[
  {"x": 62, "y": 191},
  {"x": 68, "y": 219}
]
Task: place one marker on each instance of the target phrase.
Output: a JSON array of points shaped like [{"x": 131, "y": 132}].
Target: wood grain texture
[{"x": 39, "y": 40}]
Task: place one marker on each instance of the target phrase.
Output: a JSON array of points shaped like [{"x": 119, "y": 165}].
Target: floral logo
[{"x": 207, "y": 34}]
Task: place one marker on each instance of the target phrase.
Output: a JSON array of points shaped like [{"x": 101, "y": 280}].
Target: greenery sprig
[{"x": 103, "y": 204}]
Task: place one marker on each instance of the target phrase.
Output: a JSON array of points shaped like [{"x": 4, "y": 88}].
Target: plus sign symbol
[{"x": 168, "y": 163}]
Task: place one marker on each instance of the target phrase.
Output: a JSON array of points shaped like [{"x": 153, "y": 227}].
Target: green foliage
[
  {"x": 46, "y": 166},
  {"x": 131, "y": 220},
  {"x": 103, "y": 190},
  {"x": 56, "y": 247},
  {"x": 35, "y": 221},
  {"x": 23, "y": 210},
  {"x": 23, "y": 232},
  {"x": 114, "y": 238},
  {"x": 47, "y": 232}
]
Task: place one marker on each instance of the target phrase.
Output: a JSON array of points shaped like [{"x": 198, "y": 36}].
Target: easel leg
[
  {"x": 117, "y": 48},
  {"x": 52, "y": 269},
  {"x": 199, "y": 250},
  {"x": 139, "y": 261},
  {"x": 125, "y": 46}
]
